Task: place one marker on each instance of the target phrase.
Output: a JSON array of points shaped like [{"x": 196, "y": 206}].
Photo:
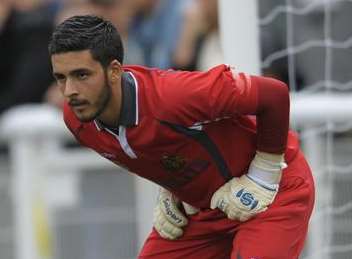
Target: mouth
[{"x": 78, "y": 105}]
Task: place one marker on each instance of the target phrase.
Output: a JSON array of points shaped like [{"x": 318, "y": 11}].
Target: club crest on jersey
[{"x": 173, "y": 163}]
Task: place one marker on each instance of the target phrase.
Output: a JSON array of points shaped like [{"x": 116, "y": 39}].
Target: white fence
[{"x": 40, "y": 163}]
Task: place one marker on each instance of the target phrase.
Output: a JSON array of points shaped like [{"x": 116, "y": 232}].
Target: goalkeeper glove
[
  {"x": 168, "y": 219},
  {"x": 243, "y": 197}
]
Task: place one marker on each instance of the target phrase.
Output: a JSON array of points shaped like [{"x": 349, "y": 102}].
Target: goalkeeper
[{"x": 234, "y": 183}]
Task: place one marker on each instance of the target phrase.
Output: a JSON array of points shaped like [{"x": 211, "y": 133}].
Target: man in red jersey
[{"x": 234, "y": 183}]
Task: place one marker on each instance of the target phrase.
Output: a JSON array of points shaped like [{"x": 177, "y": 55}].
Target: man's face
[{"x": 83, "y": 82}]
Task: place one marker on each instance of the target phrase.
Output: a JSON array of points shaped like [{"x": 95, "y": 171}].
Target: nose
[{"x": 70, "y": 88}]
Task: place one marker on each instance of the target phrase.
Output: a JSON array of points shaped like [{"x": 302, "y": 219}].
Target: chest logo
[{"x": 173, "y": 163}]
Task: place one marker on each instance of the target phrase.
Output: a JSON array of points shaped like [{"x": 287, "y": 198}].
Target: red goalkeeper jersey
[{"x": 189, "y": 132}]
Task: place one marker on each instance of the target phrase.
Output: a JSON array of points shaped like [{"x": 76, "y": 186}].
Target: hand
[
  {"x": 242, "y": 198},
  {"x": 168, "y": 219}
]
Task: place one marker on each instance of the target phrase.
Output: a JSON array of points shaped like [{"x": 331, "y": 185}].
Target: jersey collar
[{"x": 129, "y": 105}]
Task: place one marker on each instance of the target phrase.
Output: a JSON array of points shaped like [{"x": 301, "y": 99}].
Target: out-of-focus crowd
[{"x": 179, "y": 34}]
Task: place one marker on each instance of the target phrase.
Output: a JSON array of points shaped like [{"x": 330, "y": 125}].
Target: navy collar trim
[{"x": 129, "y": 105}]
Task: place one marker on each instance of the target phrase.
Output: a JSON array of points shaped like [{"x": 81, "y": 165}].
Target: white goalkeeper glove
[
  {"x": 168, "y": 219},
  {"x": 243, "y": 197}
]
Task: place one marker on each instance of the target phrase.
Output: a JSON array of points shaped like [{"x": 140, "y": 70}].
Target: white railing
[
  {"x": 35, "y": 135},
  {"x": 318, "y": 116}
]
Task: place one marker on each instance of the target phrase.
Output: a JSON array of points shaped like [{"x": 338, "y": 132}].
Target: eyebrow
[{"x": 73, "y": 72}]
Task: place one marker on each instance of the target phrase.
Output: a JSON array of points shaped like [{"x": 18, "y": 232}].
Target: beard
[{"x": 100, "y": 105}]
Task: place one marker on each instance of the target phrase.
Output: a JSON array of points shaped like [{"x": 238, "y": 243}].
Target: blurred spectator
[
  {"x": 119, "y": 12},
  {"x": 154, "y": 32},
  {"x": 199, "y": 46},
  {"x": 5, "y": 10},
  {"x": 25, "y": 28}
]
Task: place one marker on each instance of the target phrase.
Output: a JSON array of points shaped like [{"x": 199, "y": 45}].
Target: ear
[{"x": 115, "y": 71}]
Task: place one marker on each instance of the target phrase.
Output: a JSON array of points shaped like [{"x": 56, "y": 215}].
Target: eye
[
  {"x": 59, "y": 78},
  {"x": 82, "y": 75}
]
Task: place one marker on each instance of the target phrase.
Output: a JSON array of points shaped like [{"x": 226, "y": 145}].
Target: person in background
[
  {"x": 199, "y": 47},
  {"x": 25, "y": 28},
  {"x": 154, "y": 31}
]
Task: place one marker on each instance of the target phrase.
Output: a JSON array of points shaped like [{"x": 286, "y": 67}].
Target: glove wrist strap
[
  {"x": 269, "y": 162},
  {"x": 265, "y": 169},
  {"x": 270, "y": 187}
]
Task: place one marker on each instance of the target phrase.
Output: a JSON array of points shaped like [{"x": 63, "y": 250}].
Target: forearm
[
  {"x": 272, "y": 114},
  {"x": 243, "y": 197}
]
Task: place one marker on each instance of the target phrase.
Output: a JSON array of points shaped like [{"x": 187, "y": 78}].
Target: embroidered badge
[{"x": 173, "y": 163}]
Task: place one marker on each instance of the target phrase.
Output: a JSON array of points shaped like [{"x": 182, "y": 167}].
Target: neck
[{"x": 111, "y": 114}]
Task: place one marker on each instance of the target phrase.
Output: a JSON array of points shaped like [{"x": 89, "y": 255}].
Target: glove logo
[
  {"x": 170, "y": 212},
  {"x": 247, "y": 199}
]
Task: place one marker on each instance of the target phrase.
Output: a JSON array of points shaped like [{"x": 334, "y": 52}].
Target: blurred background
[{"x": 60, "y": 201}]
